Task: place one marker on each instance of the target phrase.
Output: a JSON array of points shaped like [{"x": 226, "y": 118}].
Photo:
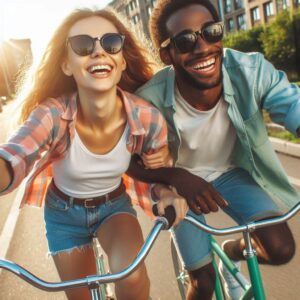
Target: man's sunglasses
[
  {"x": 185, "y": 41},
  {"x": 84, "y": 44}
]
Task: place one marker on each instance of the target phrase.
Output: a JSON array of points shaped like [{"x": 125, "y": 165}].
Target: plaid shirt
[{"x": 47, "y": 135}]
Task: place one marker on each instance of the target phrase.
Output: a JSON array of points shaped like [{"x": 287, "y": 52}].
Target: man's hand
[
  {"x": 168, "y": 196},
  {"x": 200, "y": 195}
]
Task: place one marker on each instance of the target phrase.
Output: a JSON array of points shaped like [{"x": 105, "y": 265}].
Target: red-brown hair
[{"x": 49, "y": 80}]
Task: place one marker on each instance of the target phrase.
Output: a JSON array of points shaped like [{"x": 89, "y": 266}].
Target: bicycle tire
[{"x": 181, "y": 274}]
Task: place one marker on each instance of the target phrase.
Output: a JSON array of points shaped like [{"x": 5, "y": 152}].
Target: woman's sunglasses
[
  {"x": 84, "y": 44},
  {"x": 186, "y": 40}
]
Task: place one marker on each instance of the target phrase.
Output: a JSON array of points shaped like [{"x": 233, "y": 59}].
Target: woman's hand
[
  {"x": 167, "y": 196},
  {"x": 159, "y": 159}
]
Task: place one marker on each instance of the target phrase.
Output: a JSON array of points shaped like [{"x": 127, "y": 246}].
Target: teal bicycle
[{"x": 253, "y": 291}]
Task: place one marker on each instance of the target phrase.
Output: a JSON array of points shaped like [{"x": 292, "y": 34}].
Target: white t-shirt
[
  {"x": 83, "y": 174},
  {"x": 208, "y": 138}
]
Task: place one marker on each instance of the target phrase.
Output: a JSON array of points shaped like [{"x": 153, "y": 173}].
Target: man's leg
[
  {"x": 248, "y": 202},
  {"x": 194, "y": 249},
  {"x": 274, "y": 245},
  {"x": 202, "y": 283}
]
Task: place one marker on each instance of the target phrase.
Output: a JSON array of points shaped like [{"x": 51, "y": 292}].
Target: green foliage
[
  {"x": 278, "y": 42},
  {"x": 245, "y": 40},
  {"x": 284, "y": 135}
]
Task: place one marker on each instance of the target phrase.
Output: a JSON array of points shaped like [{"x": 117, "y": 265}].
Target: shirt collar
[
  {"x": 132, "y": 111},
  {"x": 70, "y": 102}
]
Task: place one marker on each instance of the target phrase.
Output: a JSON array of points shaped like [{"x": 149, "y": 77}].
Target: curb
[{"x": 285, "y": 147}]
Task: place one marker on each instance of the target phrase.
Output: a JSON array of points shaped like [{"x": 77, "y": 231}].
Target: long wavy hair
[{"x": 48, "y": 80}]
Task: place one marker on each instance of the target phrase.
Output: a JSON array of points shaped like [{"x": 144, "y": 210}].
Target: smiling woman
[{"x": 79, "y": 126}]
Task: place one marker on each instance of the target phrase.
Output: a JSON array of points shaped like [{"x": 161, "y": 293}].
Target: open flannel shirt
[{"x": 49, "y": 130}]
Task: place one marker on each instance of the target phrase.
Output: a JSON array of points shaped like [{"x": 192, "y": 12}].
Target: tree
[
  {"x": 278, "y": 42},
  {"x": 245, "y": 40}
]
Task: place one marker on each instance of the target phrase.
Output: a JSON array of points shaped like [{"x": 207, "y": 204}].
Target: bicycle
[
  {"x": 96, "y": 283},
  {"x": 255, "y": 289}
]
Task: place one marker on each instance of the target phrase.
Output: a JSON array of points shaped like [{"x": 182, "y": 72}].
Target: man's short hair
[{"x": 164, "y": 9}]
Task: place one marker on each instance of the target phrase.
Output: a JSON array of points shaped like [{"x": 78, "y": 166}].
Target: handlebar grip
[{"x": 170, "y": 214}]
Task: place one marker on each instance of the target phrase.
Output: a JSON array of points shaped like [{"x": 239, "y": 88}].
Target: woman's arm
[{"x": 6, "y": 174}]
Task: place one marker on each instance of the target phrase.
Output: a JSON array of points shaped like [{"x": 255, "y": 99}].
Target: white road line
[{"x": 10, "y": 223}]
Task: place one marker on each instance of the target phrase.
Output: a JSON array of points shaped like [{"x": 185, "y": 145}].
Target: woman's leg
[
  {"x": 78, "y": 263},
  {"x": 121, "y": 238}
]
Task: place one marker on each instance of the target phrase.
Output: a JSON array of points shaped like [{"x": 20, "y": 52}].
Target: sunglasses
[
  {"x": 84, "y": 44},
  {"x": 185, "y": 41}
]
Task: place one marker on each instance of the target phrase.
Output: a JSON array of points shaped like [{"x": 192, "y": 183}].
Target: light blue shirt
[{"x": 250, "y": 84}]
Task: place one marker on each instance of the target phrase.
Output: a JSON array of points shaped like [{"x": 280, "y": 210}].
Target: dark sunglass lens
[
  {"x": 112, "y": 43},
  {"x": 213, "y": 33},
  {"x": 185, "y": 42},
  {"x": 82, "y": 44}
]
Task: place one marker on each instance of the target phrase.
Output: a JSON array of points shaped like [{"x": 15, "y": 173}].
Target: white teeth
[
  {"x": 204, "y": 64},
  {"x": 99, "y": 68}
]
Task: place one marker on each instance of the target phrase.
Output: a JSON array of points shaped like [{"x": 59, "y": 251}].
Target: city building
[
  {"x": 245, "y": 14},
  {"x": 14, "y": 55}
]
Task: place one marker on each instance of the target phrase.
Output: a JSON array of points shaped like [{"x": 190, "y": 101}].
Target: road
[{"x": 29, "y": 249}]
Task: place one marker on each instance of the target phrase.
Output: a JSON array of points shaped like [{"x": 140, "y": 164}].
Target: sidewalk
[{"x": 285, "y": 147}]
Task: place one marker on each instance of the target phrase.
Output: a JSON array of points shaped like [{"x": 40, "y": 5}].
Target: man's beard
[
  {"x": 186, "y": 77},
  {"x": 190, "y": 80}
]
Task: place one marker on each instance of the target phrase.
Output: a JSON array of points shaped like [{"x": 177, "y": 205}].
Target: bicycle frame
[
  {"x": 95, "y": 281},
  {"x": 256, "y": 290}
]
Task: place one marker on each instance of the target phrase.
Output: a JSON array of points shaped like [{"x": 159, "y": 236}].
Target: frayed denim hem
[{"x": 80, "y": 248}]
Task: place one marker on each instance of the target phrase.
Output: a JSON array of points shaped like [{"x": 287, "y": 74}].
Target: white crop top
[{"x": 83, "y": 174}]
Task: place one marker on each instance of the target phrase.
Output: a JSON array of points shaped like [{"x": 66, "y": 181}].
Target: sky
[{"x": 37, "y": 19}]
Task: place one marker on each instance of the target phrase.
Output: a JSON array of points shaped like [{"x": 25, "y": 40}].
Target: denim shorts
[
  {"x": 247, "y": 202},
  {"x": 69, "y": 227}
]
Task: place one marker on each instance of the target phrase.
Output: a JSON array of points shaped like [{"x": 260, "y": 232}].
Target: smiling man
[{"x": 212, "y": 99}]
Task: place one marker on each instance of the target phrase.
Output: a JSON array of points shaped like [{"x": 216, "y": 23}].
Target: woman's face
[{"x": 98, "y": 71}]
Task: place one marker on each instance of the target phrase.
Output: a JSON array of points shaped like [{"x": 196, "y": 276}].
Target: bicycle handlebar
[
  {"x": 161, "y": 223},
  {"x": 247, "y": 227}
]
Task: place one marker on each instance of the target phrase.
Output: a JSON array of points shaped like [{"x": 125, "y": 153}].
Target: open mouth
[
  {"x": 206, "y": 65},
  {"x": 102, "y": 69}
]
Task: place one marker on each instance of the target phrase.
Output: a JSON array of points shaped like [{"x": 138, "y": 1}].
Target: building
[
  {"x": 245, "y": 14},
  {"x": 15, "y": 54}
]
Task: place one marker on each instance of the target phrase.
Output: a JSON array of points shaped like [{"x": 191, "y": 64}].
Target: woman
[{"x": 78, "y": 130}]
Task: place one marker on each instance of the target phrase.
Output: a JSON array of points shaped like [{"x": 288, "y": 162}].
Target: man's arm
[{"x": 200, "y": 195}]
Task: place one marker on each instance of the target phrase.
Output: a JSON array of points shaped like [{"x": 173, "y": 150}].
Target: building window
[
  {"x": 227, "y": 6},
  {"x": 269, "y": 11},
  {"x": 255, "y": 14},
  {"x": 136, "y": 19},
  {"x": 239, "y": 4},
  {"x": 230, "y": 25},
  {"x": 241, "y": 23}
]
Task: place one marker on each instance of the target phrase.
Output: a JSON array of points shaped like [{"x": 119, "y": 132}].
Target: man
[{"x": 212, "y": 100}]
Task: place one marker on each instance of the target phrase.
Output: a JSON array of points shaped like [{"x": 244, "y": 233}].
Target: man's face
[{"x": 201, "y": 67}]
